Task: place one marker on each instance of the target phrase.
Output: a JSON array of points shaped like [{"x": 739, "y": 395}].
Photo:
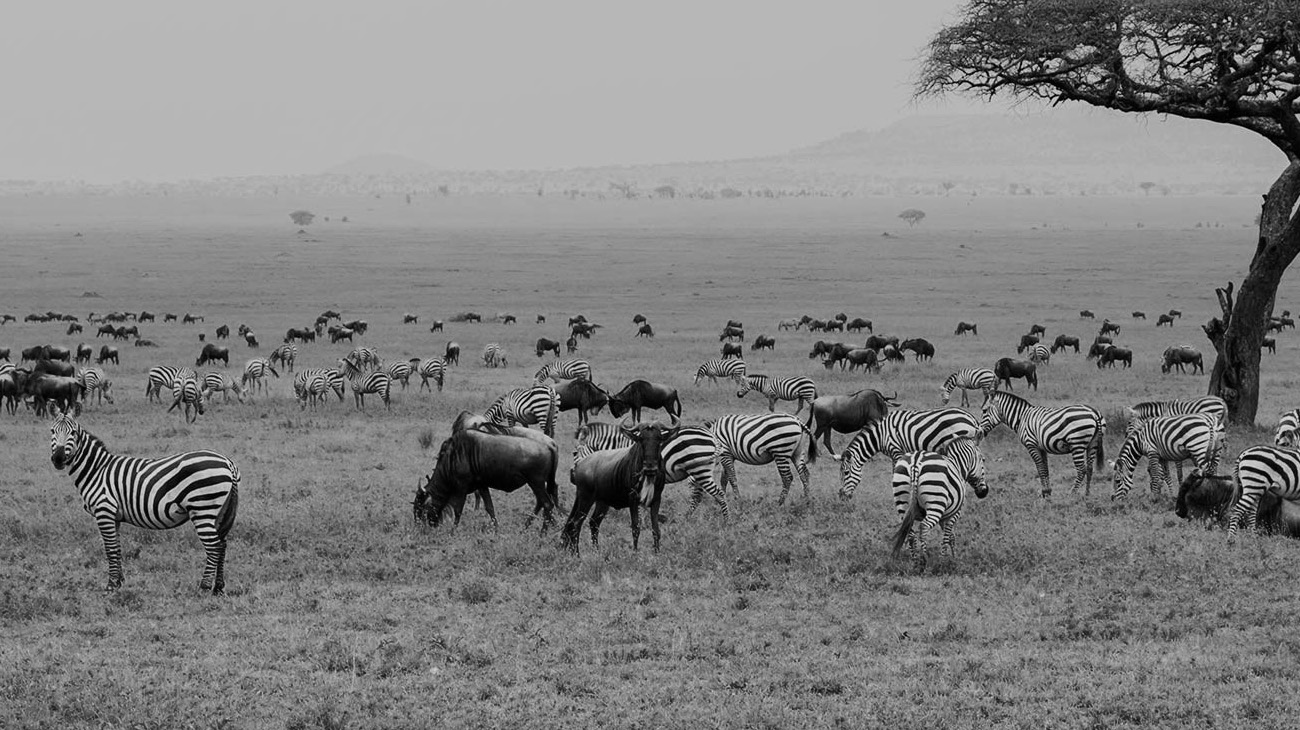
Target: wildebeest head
[{"x": 651, "y": 436}]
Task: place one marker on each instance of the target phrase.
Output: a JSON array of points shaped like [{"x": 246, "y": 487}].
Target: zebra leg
[
  {"x": 785, "y": 468},
  {"x": 214, "y": 548},
  {"x": 949, "y": 526},
  {"x": 1245, "y": 511},
  {"x": 1040, "y": 464},
  {"x": 771, "y": 404},
  {"x": 112, "y": 550},
  {"x": 805, "y": 477},
  {"x": 919, "y": 551},
  {"x": 1082, "y": 476},
  {"x": 729, "y": 474}
]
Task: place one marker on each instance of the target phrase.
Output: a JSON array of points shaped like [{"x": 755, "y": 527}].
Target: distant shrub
[
  {"x": 912, "y": 216},
  {"x": 302, "y": 217}
]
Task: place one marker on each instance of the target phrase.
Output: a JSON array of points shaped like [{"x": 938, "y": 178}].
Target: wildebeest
[
  {"x": 640, "y": 394},
  {"x": 223, "y": 332},
  {"x": 1038, "y": 329},
  {"x": 250, "y": 339},
  {"x": 1164, "y": 319},
  {"x": 212, "y": 353},
  {"x": 7, "y": 318},
  {"x": 191, "y": 318},
  {"x": 1210, "y": 497},
  {"x": 488, "y": 457},
  {"x": 645, "y": 330},
  {"x": 571, "y": 345},
  {"x": 583, "y": 329},
  {"x": 357, "y": 325},
  {"x": 964, "y": 327},
  {"x": 612, "y": 478},
  {"x": 581, "y": 395},
  {"x": 124, "y": 332},
  {"x": 731, "y": 333},
  {"x": 880, "y": 342},
  {"x": 1111, "y": 354},
  {"x": 1139, "y": 315},
  {"x": 541, "y": 319},
  {"x": 729, "y": 350},
  {"x": 84, "y": 353},
  {"x": 836, "y": 353},
  {"x": 145, "y": 343},
  {"x": 857, "y": 324},
  {"x": 73, "y": 327},
  {"x": 106, "y": 329},
  {"x": 1026, "y": 342},
  {"x": 577, "y": 319},
  {"x": 816, "y": 325},
  {"x": 36, "y": 352},
  {"x": 820, "y": 347},
  {"x": 144, "y": 316},
  {"x": 436, "y": 326},
  {"x": 340, "y": 333},
  {"x": 1086, "y": 314},
  {"x": 892, "y": 354},
  {"x": 921, "y": 348},
  {"x": 509, "y": 319},
  {"x": 834, "y": 325},
  {"x": 1178, "y": 313},
  {"x": 452, "y": 354},
  {"x": 545, "y": 345},
  {"x": 846, "y": 413},
  {"x": 639, "y": 319},
  {"x": 13, "y": 386},
  {"x": 1008, "y": 368},
  {"x": 1179, "y": 356},
  {"x": 763, "y": 342},
  {"x": 1064, "y": 341},
  {"x": 1269, "y": 344},
  {"x": 861, "y": 357},
  {"x": 57, "y": 352},
  {"x": 168, "y": 317},
  {"x": 735, "y": 323},
  {"x": 408, "y": 318},
  {"x": 54, "y": 367},
  {"x": 329, "y": 314},
  {"x": 63, "y": 391},
  {"x": 1108, "y": 327}
]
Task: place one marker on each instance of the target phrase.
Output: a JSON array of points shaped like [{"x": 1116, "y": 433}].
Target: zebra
[
  {"x": 903, "y": 431},
  {"x": 981, "y": 379},
  {"x": 760, "y": 440},
  {"x": 201, "y": 487},
  {"x": 929, "y": 492},
  {"x": 312, "y": 384},
  {"x": 255, "y": 371},
  {"x": 162, "y": 376},
  {"x": 1166, "y": 439},
  {"x": 401, "y": 371},
  {"x": 186, "y": 391},
  {"x": 714, "y": 369},
  {"x": 1287, "y": 431},
  {"x": 1211, "y": 404},
  {"x": 214, "y": 382},
  {"x": 689, "y": 455},
  {"x": 1262, "y": 469},
  {"x": 365, "y": 358},
  {"x": 797, "y": 388},
  {"x": 435, "y": 368},
  {"x": 494, "y": 356},
  {"x": 1076, "y": 430},
  {"x": 93, "y": 380},
  {"x": 527, "y": 406},
  {"x": 1040, "y": 354},
  {"x": 377, "y": 383},
  {"x": 285, "y": 355},
  {"x": 572, "y": 369}
]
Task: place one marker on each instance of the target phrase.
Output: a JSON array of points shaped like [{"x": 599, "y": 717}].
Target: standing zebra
[
  {"x": 901, "y": 432},
  {"x": 981, "y": 379},
  {"x": 376, "y": 383},
  {"x": 255, "y": 372},
  {"x": 435, "y": 368},
  {"x": 761, "y": 440},
  {"x": 688, "y": 455},
  {"x": 494, "y": 356},
  {"x": 1211, "y": 404},
  {"x": 285, "y": 355},
  {"x": 1040, "y": 354},
  {"x": 1263, "y": 469},
  {"x": 94, "y": 381},
  {"x": 929, "y": 492},
  {"x": 714, "y": 369},
  {"x": 572, "y": 369},
  {"x": 1076, "y": 430},
  {"x": 1288, "y": 429},
  {"x": 187, "y": 391},
  {"x": 401, "y": 371},
  {"x": 214, "y": 382},
  {"x": 162, "y": 376},
  {"x": 527, "y": 406},
  {"x": 797, "y": 388},
  {"x": 1167, "y": 439},
  {"x": 201, "y": 487}
]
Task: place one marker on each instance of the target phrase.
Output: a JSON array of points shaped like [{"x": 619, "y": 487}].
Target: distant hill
[{"x": 380, "y": 165}]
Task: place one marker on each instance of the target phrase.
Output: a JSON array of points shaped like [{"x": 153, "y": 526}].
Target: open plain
[{"x": 1074, "y": 612}]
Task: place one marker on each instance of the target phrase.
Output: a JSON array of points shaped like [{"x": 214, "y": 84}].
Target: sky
[{"x": 127, "y": 90}]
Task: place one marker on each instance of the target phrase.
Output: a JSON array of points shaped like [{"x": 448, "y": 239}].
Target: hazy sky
[{"x": 106, "y": 91}]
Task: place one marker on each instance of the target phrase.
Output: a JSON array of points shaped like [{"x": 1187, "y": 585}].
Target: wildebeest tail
[
  {"x": 552, "y": 410},
  {"x": 812, "y": 445},
  {"x": 676, "y": 404},
  {"x": 914, "y": 510}
]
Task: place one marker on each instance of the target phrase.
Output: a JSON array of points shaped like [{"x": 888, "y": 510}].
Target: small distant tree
[
  {"x": 1146, "y": 187},
  {"x": 666, "y": 191},
  {"x": 912, "y": 216},
  {"x": 947, "y": 186},
  {"x": 730, "y": 193},
  {"x": 302, "y": 217}
]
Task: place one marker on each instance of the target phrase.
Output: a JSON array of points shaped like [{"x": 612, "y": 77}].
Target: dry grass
[{"x": 1070, "y": 613}]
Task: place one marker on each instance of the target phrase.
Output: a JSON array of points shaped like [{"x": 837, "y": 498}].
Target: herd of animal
[{"x": 935, "y": 453}]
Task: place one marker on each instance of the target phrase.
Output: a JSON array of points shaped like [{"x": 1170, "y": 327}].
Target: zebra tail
[
  {"x": 226, "y": 515},
  {"x": 913, "y": 512},
  {"x": 1101, "y": 443}
]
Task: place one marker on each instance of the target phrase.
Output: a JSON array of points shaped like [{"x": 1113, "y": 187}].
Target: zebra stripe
[
  {"x": 163, "y": 376},
  {"x": 376, "y": 383},
  {"x": 93, "y": 380},
  {"x": 1040, "y": 354},
  {"x": 255, "y": 372},
  {"x": 315, "y": 383},
  {"x": 527, "y": 406},
  {"x": 714, "y": 369},
  {"x": 1212, "y": 404},
  {"x": 1163, "y": 440},
  {"x": 435, "y": 368},
  {"x": 1076, "y": 430},
  {"x": 201, "y": 487},
  {"x": 929, "y": 492},
  {"x": 366, "y": 358},
  {"x": 400, "y": 372},
  {"x": 494, "y": 356},
  {"x": 1288, "y": 428},
  {"x": 186, "y": 391},
  {"x": 285, "y": 354},
  {"x": 572, "y": 369},
  {"x": 901, "y": 432},
  {"x": 1261, "y": 469},
  {"x": 981, "y": 379},
  {"x": 762, "y": 439},
  {"x": 214, "y": 382},
  {"x": 689, "y": 455},
  {"x": 797, "y": 388}
]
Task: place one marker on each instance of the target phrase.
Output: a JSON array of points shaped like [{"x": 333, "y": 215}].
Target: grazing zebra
[
  {"x": 714, "y": 369},
  {"x": 186, "y": 391},
  {"x": 981, "y": 379},
  {"x": 1039, "y": 354},
  {"x": 1163, "y": 440},
  {"x": 201, "y": 487},
  {"x": 1076, "y": 430},
  {"x": 285, "y": 355},
  {"x": 214, "y": 382},
  {"x": 797, "y": 388},
  {"x": 94, "y": 381},
  {"x": 573, "y": 369},
  {"x": 538, "y": 404},
  {"x": 312, "y": 384},
  {"x": 1211, "y": 404},
  {"x": 1263, "y": 469},
  {"x": 255, "y": 372},
  {"x": 1288, "y": 428},
  {"x": 689, "y": 455},
  {"x": 162, "y": 376},
  {"x": 376, "y": 383},
  {"x": 760, "y": 440},
  {"x": 903, "y": 431},
  {"x": 435, "y": 368},
  {"x": 929, "y": 492},
  {"x": 494, "y": 356},
  {"x": 365, "y": 358},
  {"x": 401, "y": 371}
]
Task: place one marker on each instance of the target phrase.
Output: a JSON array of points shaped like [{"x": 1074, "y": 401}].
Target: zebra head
[
  {"x": 750, "y": 382},
  {"x": 64, "y": 439}
]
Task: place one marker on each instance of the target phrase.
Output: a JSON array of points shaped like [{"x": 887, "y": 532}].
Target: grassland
[{"x": 1073, "y": 613}]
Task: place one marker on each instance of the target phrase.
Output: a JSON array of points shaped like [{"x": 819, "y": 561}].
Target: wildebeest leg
[
  {"x": 771, "y": 404},
  {"x": 825, "y": 433},
  {"x": 785, "y": 468},
  {"x": 488, "y": 507},
  {"x": 573, "y": 526},
  {"x": 634, "y": 514},
  {"x": 597, "y": 517}
]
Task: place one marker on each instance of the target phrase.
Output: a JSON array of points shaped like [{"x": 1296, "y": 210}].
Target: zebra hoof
[{"x": 1046, "y": 494}]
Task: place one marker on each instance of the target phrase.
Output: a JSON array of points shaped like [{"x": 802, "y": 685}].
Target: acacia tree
[{"x": 1226, "y": 61}]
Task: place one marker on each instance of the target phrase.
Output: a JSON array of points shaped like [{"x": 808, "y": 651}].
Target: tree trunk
[{"x": 1238, "y": 335}]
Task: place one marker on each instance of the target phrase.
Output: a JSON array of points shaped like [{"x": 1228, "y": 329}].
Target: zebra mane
[
  {"x": 492, "y": 428},
  {"x": 1012, "y": 397}
]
